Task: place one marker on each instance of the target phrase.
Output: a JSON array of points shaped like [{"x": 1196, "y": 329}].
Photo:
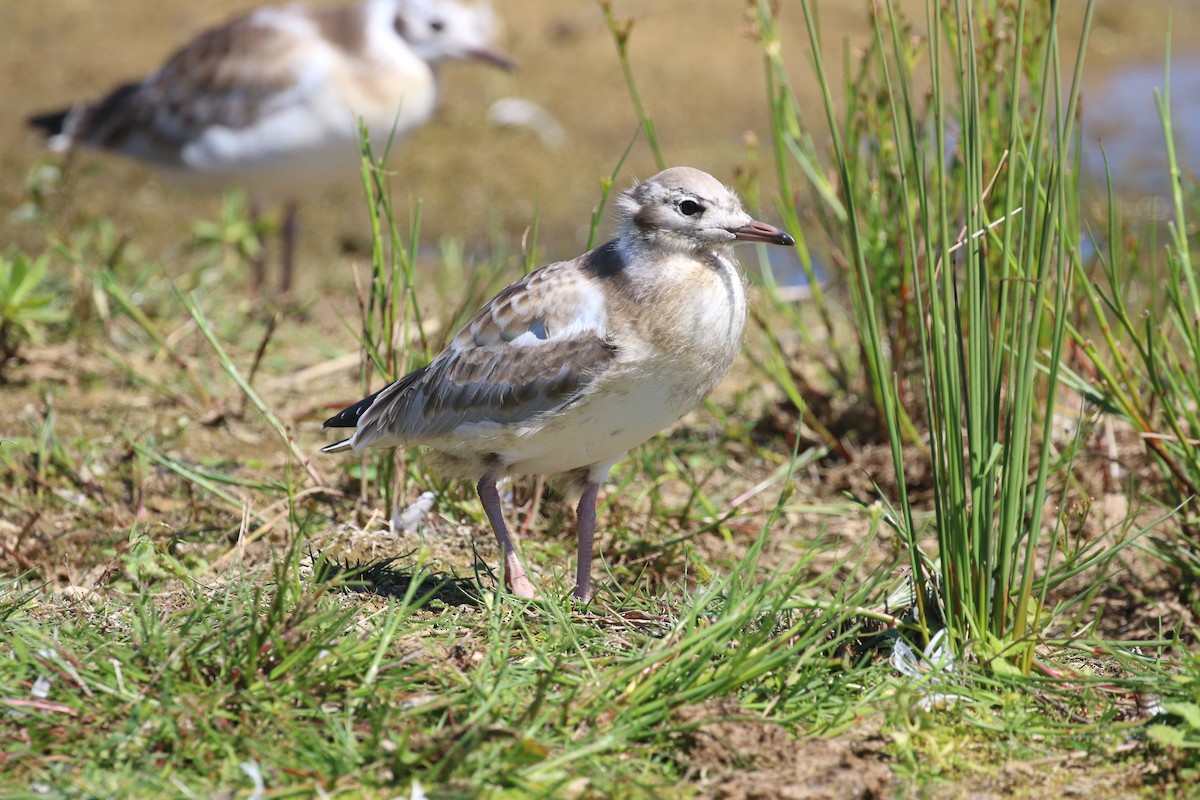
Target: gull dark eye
[
  {"x": 690, "y": 208},
  {"x": 437, "y": 25}
]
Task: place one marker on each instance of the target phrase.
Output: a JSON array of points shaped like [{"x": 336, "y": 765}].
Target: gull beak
[
  {"x": 493, "y": 57},
  {"x": 755, "y": 231}
]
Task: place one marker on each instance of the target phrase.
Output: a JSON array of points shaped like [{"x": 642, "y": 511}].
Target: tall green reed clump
[
  {"x": 955, "y": 201},
  {"x": 1146, "y": 354}
]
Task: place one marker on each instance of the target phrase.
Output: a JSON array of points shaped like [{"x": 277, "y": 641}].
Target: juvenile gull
[
  {"x": 269, "y": 100},
  {"x": 569, "y": 367}
]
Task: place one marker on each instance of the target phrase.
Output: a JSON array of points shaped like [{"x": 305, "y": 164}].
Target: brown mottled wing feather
[
  {"x": 226, "y": 76},
  {"x": 482, "y": 385},
  {"x": 531, "y": 351}
]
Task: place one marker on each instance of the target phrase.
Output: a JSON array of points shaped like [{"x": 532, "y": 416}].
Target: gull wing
[{"x": 534, "y": 349}]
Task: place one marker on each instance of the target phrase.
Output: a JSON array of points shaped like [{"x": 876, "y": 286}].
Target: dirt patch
[
  {"x": 873, "y": 467},
  {"x": 732, "y": 755}
]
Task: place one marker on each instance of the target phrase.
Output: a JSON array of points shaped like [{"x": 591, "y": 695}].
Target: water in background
[{"x": 1121, "y": 123}]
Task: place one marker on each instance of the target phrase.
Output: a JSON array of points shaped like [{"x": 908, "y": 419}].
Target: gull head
[
  {"x": 686, "y": 209},
  {"x": 447, "y": 30}
]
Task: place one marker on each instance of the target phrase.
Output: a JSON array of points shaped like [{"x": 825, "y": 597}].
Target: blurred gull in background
[{"x": 269, "y": 100}]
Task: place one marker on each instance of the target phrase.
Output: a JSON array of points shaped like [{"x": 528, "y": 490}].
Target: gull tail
[
  {"x": 51, "y": 124},
  {"x": 105, "y": 124},
  {"x": 347, "y": 418},
  {"x": 339, "y": 447}
]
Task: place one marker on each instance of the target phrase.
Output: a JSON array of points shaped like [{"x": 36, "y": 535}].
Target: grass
[
  {"x": 982, "y": 345},
  {"x": 872, "y": 566},
  {"x": 298, "y": 675},
  {"x": 1147, "y": 375},
  {"x": 24, "y": 311}
]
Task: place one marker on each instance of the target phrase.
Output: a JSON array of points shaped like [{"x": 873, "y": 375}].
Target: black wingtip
[
  {"x": 348, "y": 417},
  {"x": 50, "y": 124}
]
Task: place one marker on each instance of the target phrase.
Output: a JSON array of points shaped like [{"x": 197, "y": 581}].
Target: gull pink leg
[
  {"x": 586, "y": 528},
  {"x": 514, "y": 574}
]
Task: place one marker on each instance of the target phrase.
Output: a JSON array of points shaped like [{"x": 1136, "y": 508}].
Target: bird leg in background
[
  {"x": 287, "y": 235},
  {"x": 514, "y": 574},
  {"x": 258, "y": 269},
  {"x": 534, "y": 506},
  {"x": 585, "y": 527}
]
